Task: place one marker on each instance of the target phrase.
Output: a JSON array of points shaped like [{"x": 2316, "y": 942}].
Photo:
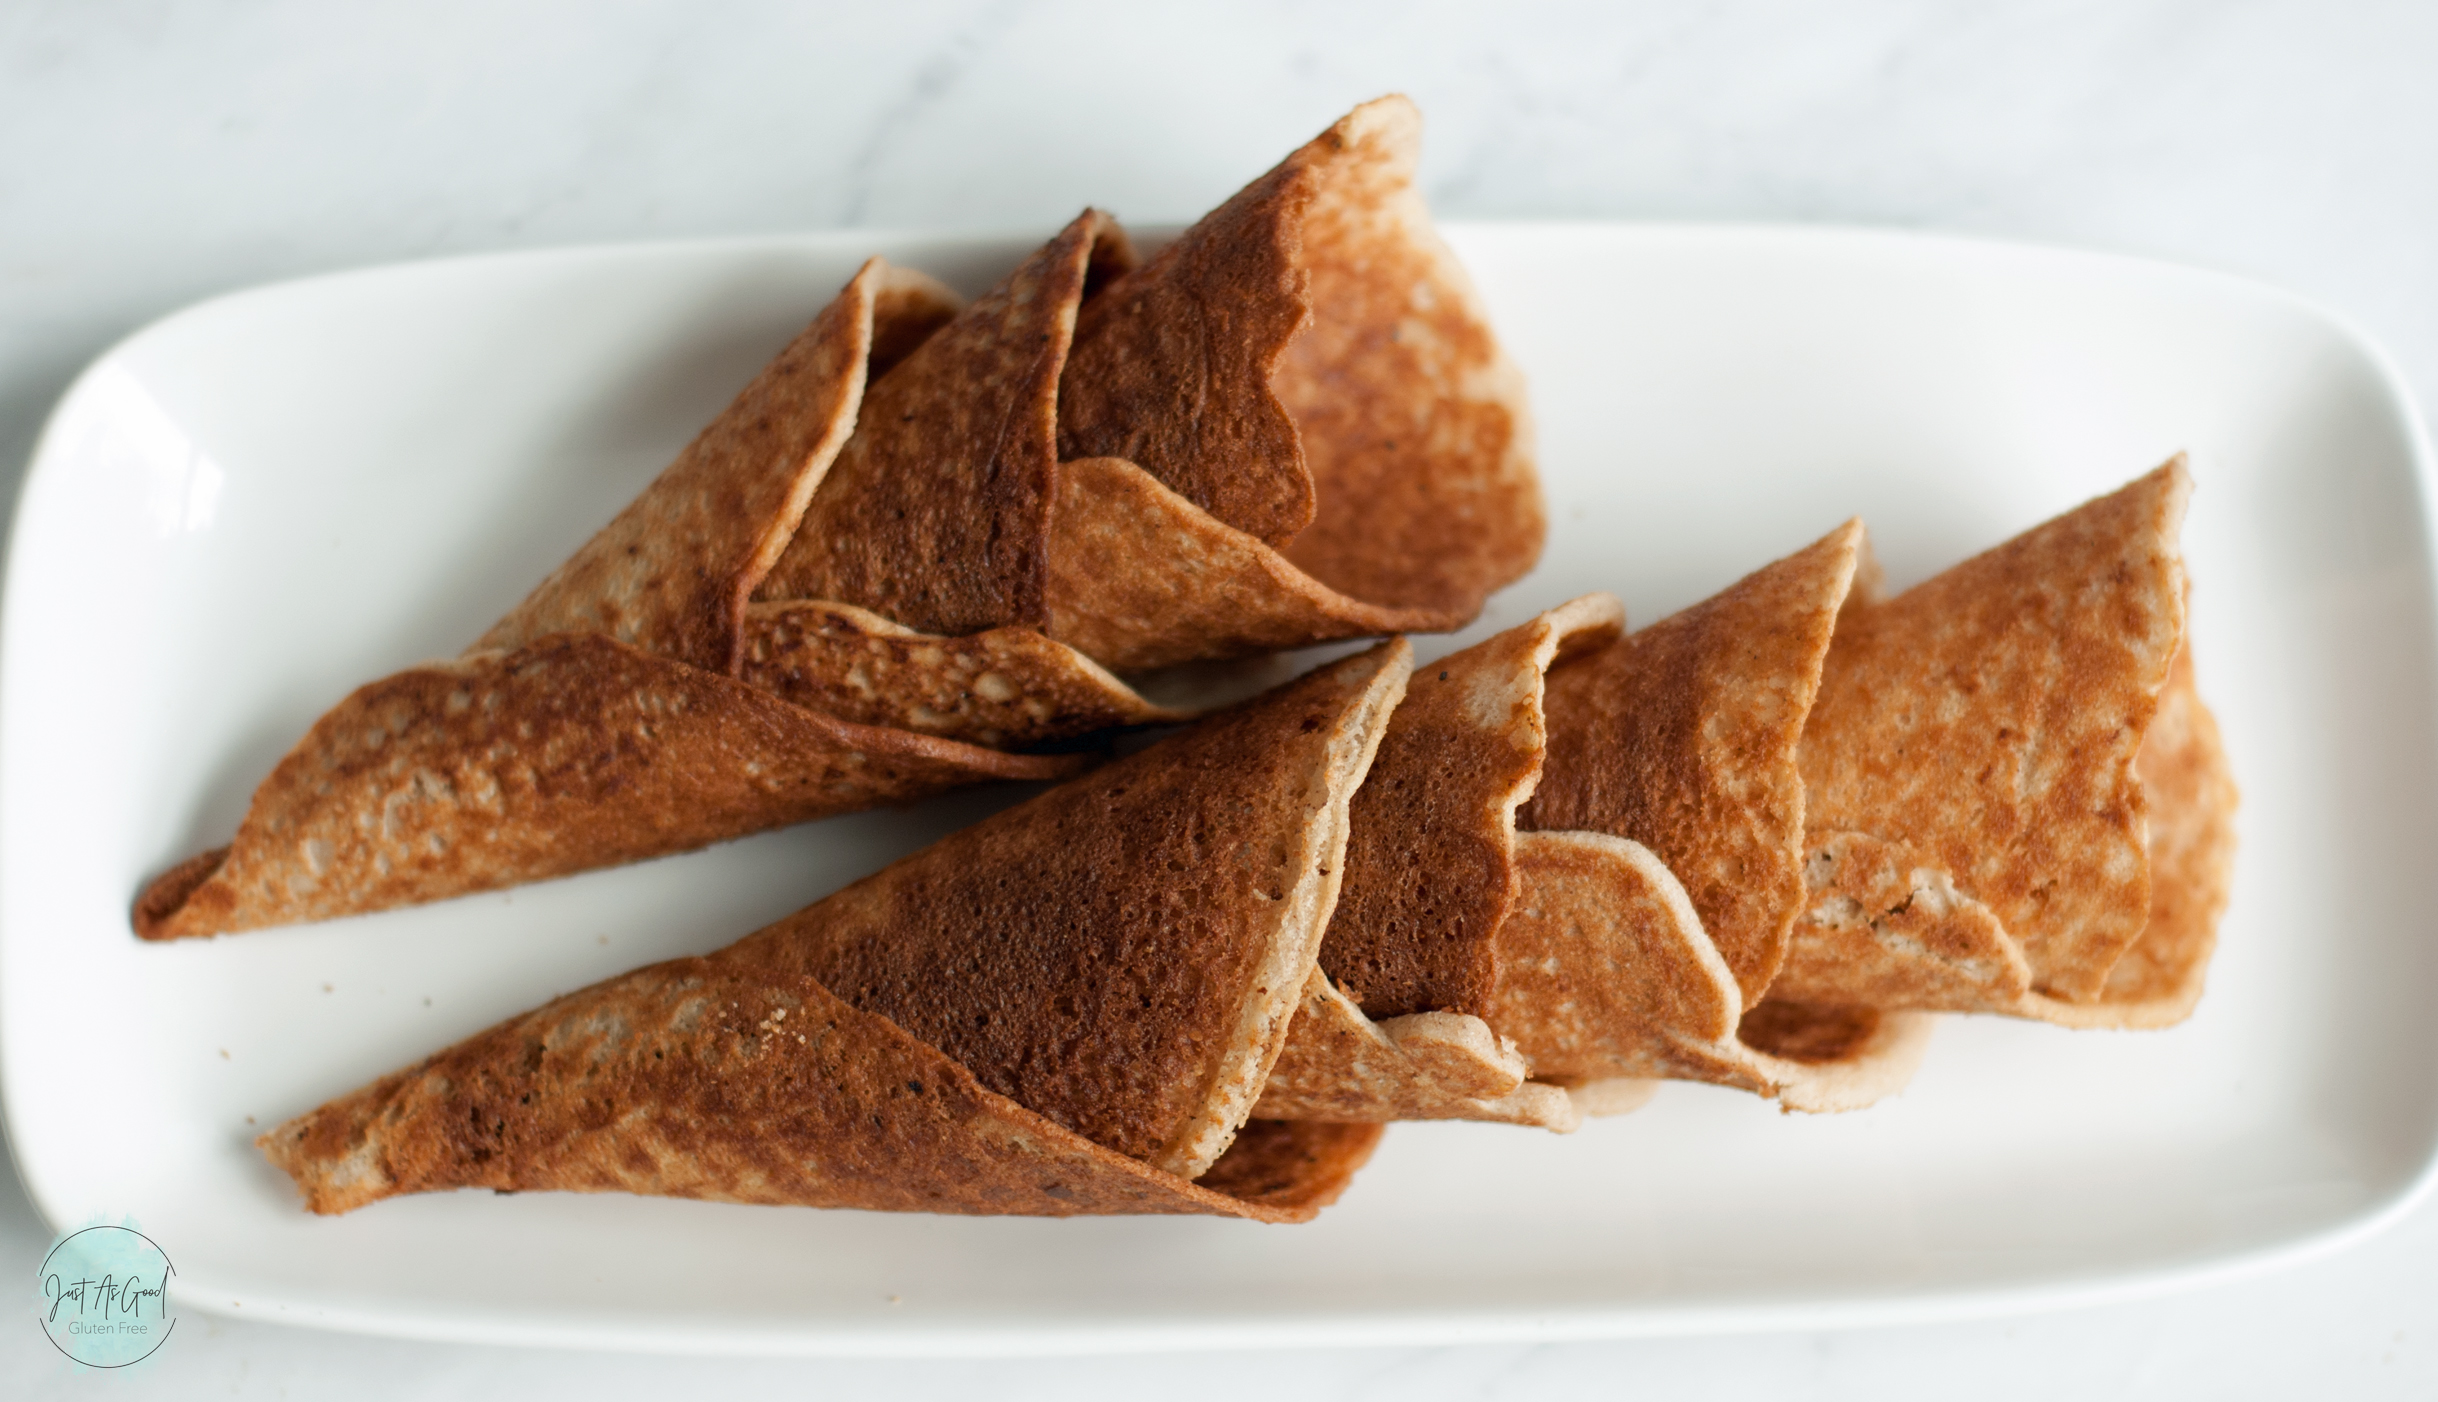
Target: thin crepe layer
[
  {"x": 1386, "y": 448},
  {"x": 1682, "y": 737},
  {"x": 1123, "y": 953},
  {"x": 2191, "y": 845},
  {"x": 1340, "y": 1066},
  {"x": 501, "y": 768},
  {"x": 670, "y": 574},
  {"x": 1414, "y": 421},
  {"x": 1141, "y": 578},
  {"x": 936, "y": 514},
  {"x": 1005, "y": 688},
  {"x": 1429, "y": 879},
  {"x": 1606, "y": 974},
  {"x": 1976, "y": 835},
  {"x": 1173, "y": 362},
  {"x": 1328, "y": 439},
  {"x": 689, "y": 1079},
  {"x": 1932, "y": 946},
  {"x": 573, "y": 749},
  {"x": 1429, "y": 872}
]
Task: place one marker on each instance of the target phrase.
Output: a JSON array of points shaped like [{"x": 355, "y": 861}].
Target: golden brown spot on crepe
[{"x": 1808, "y": 1032}]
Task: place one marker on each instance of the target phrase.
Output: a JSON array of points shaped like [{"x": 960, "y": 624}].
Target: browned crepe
[
  {"x": 1005, "y": 688},
  {"x": 1064, "y": 1009},
  {"x": 1429, "y": 875},
  {"x": 1172, "y": 902},
  {"x": 671, "y": 573},
  {"x": 1672, "y": 787},
  {"x": 1392, "y": 1022},
  {"x": 1606, "y": 973},
  {"x": 1307, "y": 370},
  {"x": 506, "y": 767},
  {"x": 1141, "y": 578},
  {"x": 2192, "y": 860},
  {"x": 1588, "y": 967},
  {"x": 689, "y": 1080},
  {"x": 1682, "y": 737},
  {"x": 1978, "y": 836},
  {"x": 936, "y": 515},
  {"x": 573, "y": 749}
]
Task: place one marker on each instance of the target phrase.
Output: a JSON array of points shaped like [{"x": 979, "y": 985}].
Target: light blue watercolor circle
[{"x": 102, "y": 1296}]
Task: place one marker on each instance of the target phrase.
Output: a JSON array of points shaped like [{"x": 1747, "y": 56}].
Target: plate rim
[{"x": 1254, "y": 1329}]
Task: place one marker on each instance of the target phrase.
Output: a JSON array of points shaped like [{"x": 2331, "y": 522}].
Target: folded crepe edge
[
  {"x": 1235, "y": 597},
  {"x": 1265, "y": 1019},
  {"x": 1004, "y": 688},
  {"x": 725, "y": 495},
  {"x": 1692, "y": 1033},
  {"x": 298, "y": 791},
  {"x": 424, "y": 1128},
  {"x": 1443, "y": 1063}
]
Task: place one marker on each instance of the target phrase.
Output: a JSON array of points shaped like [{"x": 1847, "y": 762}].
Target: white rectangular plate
[{"x": 255, "y": 505}]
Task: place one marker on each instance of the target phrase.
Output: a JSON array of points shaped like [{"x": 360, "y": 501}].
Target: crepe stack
[
  {"x": 1066, "y": 1009},
  {"x": 1523, "y": 886},
  {"x": 927, "y": 532}
]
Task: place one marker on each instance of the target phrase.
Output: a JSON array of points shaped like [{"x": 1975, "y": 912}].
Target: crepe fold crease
[{"x": 1014, "y": 1020}]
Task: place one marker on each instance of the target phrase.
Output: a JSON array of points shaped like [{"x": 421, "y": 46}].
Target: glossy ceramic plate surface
[{"x": 249, "y": 508}]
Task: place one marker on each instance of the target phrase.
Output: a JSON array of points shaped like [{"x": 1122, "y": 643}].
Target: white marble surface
[{"x": 152, "y": 154}]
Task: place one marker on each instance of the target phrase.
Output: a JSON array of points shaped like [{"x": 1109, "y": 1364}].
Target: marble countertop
[{"x": 151, "y": 155}]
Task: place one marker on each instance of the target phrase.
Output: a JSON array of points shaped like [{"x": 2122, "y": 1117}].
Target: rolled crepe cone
[
  {"x": 912, "y": 595},
  {"x": 670, "y": 574},
  {"x": 1064, "y": 1009},
  {"x": 1998, "y": 816},
  {"x": 595, "y": 724},
  {"x": 1659, "y": 938},
  {"x": 1172, "y": 467}
]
